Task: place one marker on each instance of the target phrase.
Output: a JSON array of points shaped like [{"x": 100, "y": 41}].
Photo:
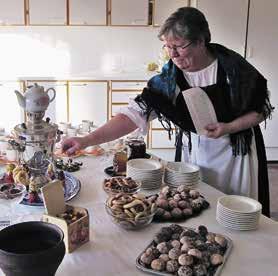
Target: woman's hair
[{"x": 187, "y": 23}]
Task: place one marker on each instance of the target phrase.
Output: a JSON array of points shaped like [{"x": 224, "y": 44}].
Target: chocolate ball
[
  {"x": 163, "y": 248},
  {"x": 185, "y": 271},
  {"x": 185, "y": 259},
  {"x": 158, "y": 265},
  {"x": 172, "y": 266},
  {"x": 174, "y": 253}
]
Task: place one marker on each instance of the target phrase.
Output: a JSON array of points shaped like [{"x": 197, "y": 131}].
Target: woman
[{"x": 232, "y": 154}]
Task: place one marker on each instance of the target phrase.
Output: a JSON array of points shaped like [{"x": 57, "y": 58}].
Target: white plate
[
  {"x": 172, "y": 171},
  {"x": 238, "y": 222},
  {"x": 236, "y": 219},
  {"x": 238, "y": 227},
  {"x": 239, "y": 204},
  {"x": 182, "y": 167},
  {"x": 143, "y": 172},
  {"x": 181, "y": 175},
  {"x": 181, "y": 180},
  {"x": 238, "y": 215},
  {"x": 144, "y": 164},
  {"x": 176, "y": 186}
]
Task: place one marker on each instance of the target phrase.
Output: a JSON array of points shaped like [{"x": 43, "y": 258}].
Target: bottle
[{"x": 119, "y": 162}]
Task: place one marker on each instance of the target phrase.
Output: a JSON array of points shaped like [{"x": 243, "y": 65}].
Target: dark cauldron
[{"x": 32, "y": 248}]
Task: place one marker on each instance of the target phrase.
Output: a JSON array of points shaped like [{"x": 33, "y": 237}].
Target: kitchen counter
[
  {"x": 113, "y": 250},
  {"x": 126, "y": 74}
]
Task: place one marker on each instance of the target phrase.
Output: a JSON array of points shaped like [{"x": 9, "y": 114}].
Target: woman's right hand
[{"x": 73, "y": 144}]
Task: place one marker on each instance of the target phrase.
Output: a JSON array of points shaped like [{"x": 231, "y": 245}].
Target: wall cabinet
[
  {"x": 121, "y": 92},
  {"x": 50, "y": 12},
  {"x": 87, "y": 12},
  {"x": 11, "y": 114},
  {"x": 163, "y": 8},
  {"x": 159, "y": 139},
  {"x": 12, "y": 12},
  {"x": 227, "y": 21},
  {"x": 88, "y": 100},
  {"x": 58, "y": 109},
  {"x": 129, "y": 12}
]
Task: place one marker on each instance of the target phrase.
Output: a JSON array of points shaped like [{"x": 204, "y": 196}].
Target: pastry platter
[
  {"x": 210, "y": 269},
  {"x": 71, "y": 189}
]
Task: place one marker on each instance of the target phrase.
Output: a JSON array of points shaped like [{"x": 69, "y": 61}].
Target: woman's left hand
[{"x": 217, "y": 130}]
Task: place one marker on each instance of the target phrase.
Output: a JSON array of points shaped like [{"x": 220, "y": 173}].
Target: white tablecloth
[{"x": 113, "y": 250}]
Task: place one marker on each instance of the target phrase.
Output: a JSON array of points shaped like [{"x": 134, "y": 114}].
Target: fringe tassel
[{"x": 241, "y": 142}]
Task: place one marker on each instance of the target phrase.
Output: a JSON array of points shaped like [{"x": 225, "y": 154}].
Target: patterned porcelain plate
[{"x": 72, "y": 188}]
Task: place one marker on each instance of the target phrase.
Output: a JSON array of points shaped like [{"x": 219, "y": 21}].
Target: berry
[
  {"x": 8, "y": 178},
  {"x": 33, "y": 197}
]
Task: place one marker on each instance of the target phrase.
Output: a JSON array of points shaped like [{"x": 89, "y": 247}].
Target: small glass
[
  {"x": 10, "y": 196},
  {"x": 119, "y": 161}
]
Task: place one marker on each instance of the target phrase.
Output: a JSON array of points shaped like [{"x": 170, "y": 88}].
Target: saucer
[
  {"x": 58, "y": 153},
  {"x": 111, "y": 172}
]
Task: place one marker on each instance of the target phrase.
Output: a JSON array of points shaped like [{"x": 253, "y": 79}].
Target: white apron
[{"x": 236, "y": 175}]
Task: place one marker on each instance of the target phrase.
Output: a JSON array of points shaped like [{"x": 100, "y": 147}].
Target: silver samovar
[{"x": 35, "y": 140}]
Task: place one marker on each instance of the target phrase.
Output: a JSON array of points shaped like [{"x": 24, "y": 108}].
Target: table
[{"x": 113, "y": 250}]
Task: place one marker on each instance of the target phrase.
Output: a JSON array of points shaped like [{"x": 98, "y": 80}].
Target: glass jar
[{"x": 136, "y": 148}]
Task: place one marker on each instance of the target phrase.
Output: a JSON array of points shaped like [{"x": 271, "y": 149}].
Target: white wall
[{"x": 75, "y": 51}]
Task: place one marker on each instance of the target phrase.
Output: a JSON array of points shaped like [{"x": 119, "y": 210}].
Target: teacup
[
  {"x": 2, "y": 131},
  {"x": 64, "y": 126},
  {"x": 11, "y": 154},
  {"x": 86, "y": 125},
  {"x": 72, "y": 131},
  {"x": 4, "y": 145}
]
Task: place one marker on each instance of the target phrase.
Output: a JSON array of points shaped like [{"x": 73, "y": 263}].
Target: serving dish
[
  {"x": 178, "y": 204},
  {"x": 131, "y": 212},
  {"x": 71, "y": 189},
  {"x": 120, "y": 184},
  {"x": 210, "y": 268}
]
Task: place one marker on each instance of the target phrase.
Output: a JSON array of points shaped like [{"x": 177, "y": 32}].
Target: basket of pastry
[
  {"x": 130, "y": 212},
  {"x": 118, "y": 184},
  {"x": 178, "y": 250}
]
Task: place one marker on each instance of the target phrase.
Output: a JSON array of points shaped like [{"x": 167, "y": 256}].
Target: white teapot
[{"x": 35, "y": 99}]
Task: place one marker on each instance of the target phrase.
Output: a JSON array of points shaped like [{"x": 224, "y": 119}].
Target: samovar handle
[{"x": 54, "y": 94}]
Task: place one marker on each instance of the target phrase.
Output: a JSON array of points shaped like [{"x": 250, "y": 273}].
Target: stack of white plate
[
  {"x": 238, "y": 212},
  {"x": 148, "y": 171},
  {"x": 181, "y": 173}
]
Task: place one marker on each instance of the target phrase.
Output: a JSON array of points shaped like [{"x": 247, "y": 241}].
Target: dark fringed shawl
[{"x": 247, "y": 92}]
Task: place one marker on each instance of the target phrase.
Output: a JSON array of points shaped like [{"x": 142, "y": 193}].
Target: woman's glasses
[{"x": 179, "y": 49}]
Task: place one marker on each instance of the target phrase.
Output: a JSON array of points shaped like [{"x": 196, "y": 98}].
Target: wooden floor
[{"x": 273, "y": 186}]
